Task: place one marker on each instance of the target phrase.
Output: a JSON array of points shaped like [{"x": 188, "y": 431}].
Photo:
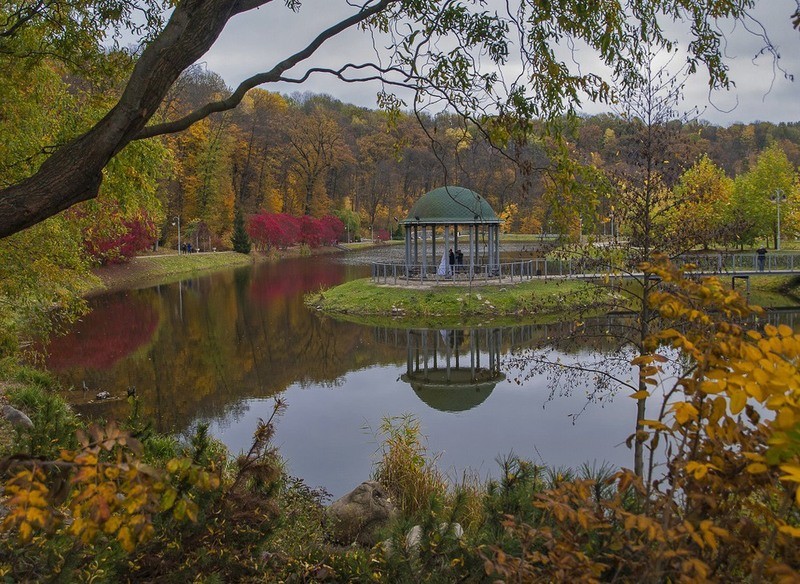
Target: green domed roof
[
  {"x": 455, "y": 390},
  {"x": 451, "y": 205}
]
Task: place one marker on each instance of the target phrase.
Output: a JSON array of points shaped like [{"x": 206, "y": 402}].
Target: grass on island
[
  {"x": 365, "y": 298},
  {"x": 540, "y": 300}
]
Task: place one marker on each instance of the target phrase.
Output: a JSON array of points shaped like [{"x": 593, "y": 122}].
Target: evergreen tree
[{"x": 240, "y": 238}]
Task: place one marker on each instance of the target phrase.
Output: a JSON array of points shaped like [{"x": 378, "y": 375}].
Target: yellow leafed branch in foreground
[{"x": 722, "y": 499}]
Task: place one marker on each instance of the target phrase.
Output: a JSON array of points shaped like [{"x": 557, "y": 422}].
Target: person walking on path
[{"x": 762, "y": 256}]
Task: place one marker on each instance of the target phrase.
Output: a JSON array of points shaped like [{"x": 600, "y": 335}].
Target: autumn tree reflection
[{"x": 115, "y": 328}]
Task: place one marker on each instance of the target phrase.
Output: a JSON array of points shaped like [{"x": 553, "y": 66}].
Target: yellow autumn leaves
[
  {"x": 736, "y": 370},
  {"x": 112, "y": 492}
]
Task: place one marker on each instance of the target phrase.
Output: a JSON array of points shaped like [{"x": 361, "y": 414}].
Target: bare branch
[{"x": 270, "y": 76}]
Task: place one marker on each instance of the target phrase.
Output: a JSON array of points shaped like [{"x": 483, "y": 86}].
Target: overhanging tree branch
[
  {"x": 270, "y": 76},
  {"x": 74, "y": 172}
]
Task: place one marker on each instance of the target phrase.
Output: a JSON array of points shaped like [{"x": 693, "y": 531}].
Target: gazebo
[{"x": 451, "y": 209}]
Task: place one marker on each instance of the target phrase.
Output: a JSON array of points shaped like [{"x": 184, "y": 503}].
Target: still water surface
[{"x": 216, "y": 349}]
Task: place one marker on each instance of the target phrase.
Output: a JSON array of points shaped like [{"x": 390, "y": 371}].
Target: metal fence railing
[
  {"x": 733, "y": 263},
  {"x": 580, "y": 267},
  {"x": 398, "y": 272}
]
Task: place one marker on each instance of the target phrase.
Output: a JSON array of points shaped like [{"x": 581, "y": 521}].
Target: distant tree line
[{"x": 314, "y": 155}]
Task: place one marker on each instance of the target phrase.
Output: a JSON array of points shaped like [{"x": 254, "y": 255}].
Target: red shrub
[
  {"x": 120, "y": 245},
  {"x": 332, "y": 229},
  {"x": 268, "y": 230},
  {"x": 310, "y": 232}
]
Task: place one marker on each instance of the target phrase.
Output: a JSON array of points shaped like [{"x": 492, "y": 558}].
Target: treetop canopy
[{"x": 447, "y": 51}]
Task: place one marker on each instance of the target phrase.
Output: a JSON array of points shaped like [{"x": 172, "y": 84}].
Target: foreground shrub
[
  {"x": 54, "y": 422},
  {"x": 404, "y": 468},
  {"x": 728, "y": 506},
  {"x": 99, "y": 512}
]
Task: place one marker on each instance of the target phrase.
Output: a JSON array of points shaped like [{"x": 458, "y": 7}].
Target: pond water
[{"x": 218, "y": 348}]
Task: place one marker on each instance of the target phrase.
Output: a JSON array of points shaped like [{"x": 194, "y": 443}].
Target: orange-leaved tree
[
  {"x": 721, "y": 501},
  {"x": 108, "y": 488},
  {"x": 136, "y": 508}
]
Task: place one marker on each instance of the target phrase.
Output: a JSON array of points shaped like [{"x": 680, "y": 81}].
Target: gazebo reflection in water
[{"x": 453, "y": 369}]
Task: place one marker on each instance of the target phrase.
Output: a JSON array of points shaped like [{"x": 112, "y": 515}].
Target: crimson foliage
[
  {"x": 331, "y": 229},
  {"x": 280, "y": 230},
  {"x": 120, "y": 246}
]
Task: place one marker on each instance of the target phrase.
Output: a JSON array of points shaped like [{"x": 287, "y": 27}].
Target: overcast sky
[{"x": 255, "y": 41}]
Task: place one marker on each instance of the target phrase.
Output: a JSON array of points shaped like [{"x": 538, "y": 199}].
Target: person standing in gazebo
[{"x": 449, "y": 208}]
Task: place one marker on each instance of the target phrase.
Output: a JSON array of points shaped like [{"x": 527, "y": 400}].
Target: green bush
[{"x": 54, "y": 422}]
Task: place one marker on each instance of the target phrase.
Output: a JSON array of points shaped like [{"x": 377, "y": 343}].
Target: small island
[
  {"x": 457, "y": 303},
  {"x": 463, "y": 280}
]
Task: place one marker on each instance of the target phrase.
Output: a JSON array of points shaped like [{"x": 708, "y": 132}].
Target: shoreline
[
  {"x": 164, "y": 268},
  {"x": 151, "y": 270}
]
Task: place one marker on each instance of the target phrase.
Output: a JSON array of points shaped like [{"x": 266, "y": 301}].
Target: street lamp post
[
  {"x": 777, "y": 197},
  {"x": 177, "y": 221},
  {"x": 612, "y": 223}
]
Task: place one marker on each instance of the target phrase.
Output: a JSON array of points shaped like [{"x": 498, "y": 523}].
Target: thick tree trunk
[{"x": 74, "y": 172}]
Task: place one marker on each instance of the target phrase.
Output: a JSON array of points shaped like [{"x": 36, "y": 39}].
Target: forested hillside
[{"x": 312, "y": 154}]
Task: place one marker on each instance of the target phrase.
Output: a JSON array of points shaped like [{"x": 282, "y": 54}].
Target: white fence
[
  {"x": 722, "y": 263},
  {"x": 398, "y": 272}
]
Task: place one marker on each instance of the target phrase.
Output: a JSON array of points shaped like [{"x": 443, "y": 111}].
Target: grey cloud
[{"x": 255, "y": 41}]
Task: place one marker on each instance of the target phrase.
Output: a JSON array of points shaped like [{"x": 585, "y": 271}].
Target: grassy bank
[
  {"x": 460, "y": 303},
  {"x": 167, "y": 266},
  {"x": 364, "y": 301},
  {"x": 161, "y": 269},
  {"x": 772, "y": 291}
]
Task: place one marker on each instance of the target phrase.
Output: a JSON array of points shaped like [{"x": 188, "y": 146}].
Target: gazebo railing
[{"x": 399, "y": 272}]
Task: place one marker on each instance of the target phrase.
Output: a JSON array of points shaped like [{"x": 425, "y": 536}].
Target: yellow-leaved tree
[{"x": 720, "y": 500}]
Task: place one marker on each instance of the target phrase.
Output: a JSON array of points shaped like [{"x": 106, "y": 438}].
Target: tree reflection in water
[{"x": 117, "y": 326}]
